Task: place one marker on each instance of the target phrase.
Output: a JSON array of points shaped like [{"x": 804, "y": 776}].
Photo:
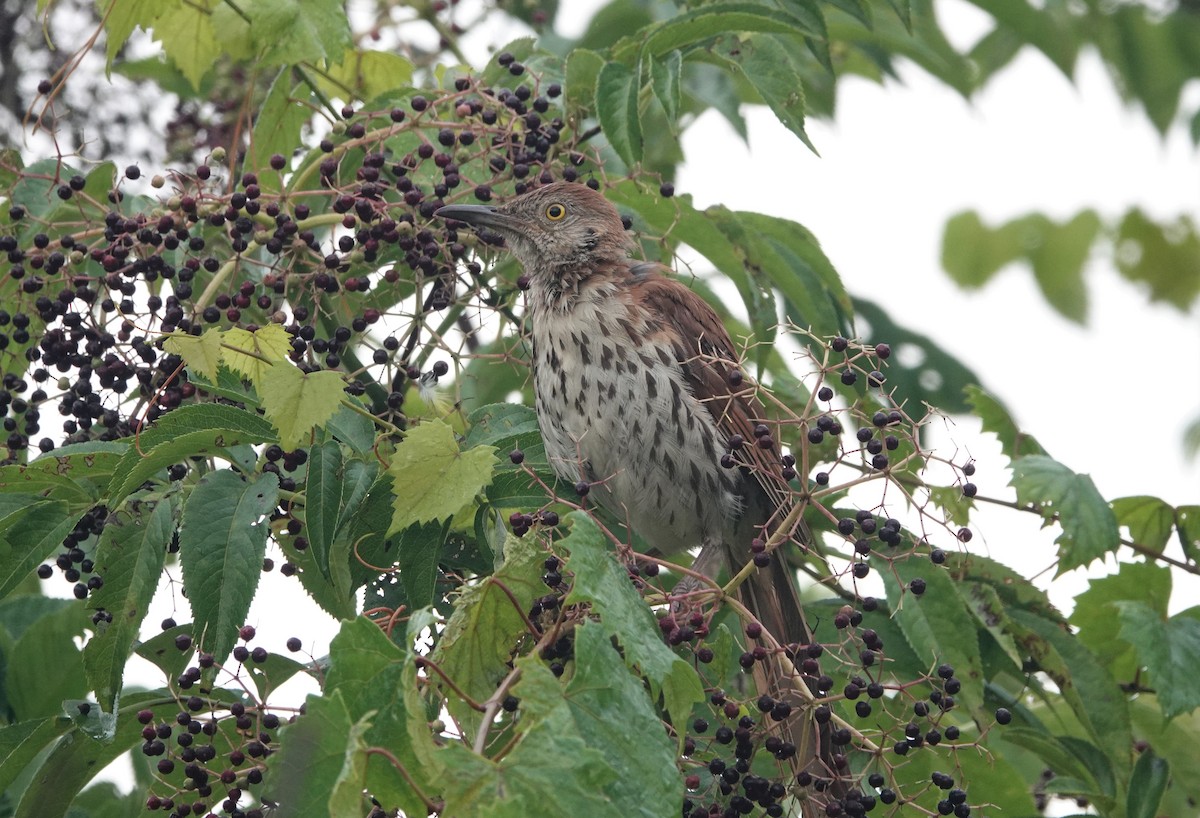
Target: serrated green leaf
[
  {"x": 222, "y": 540},
  {"x": 477, "y": 645},
  {"x": 368, "y": 670},
  {"x": 858, "y": 9},
  {"x": 312, "y": 758},
  {"x": 617, "y": 88},
  {"x": 714, "y": 19},
  {"x": 1089, "y": 528},
  {"x": 294, "y": 31},
  {"x": 190, "y": 430},
  {"x": 323, "y": 500},
  {"x": 418, "y": 548},
  {"x": 30, "y": 539},
  {"x": 771, "y": 67},
  {"x": 122, "y": 18},
  {"x": 201, "y": 354},
  {"x": 1087, "y": 687},
  {"x": 431, "y": 478},
  {"x": 1187, "y": 524},
  {"x": 1169, "y": 648},
  {"x": 791, "y": 258},
  {"x": 665, "y": 78},
  {"x": 938, "y": 625},
  {"x": 298, "y": 402},
  {"x": 583, "y": 69},
  {"x": 600, "y": 580},
  {"x": 43, "y": 666},
  {"x": 1150, "y": 520},
  {"x": 1095, "y": 615},
  {"x": 997, "y": 420},
  {"x": 188, "y": 38},
  {"x": 130, "y": 557}
]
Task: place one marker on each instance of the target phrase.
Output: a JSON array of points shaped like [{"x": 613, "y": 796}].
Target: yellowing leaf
[
  {"x": 297, "y": 402},
  {"x": 432, "y": 479},
  {"x": 202, "y": 354},
  {"x": 252, "y": 353}
]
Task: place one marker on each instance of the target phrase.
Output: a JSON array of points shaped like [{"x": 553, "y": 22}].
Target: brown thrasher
[{"x": 640, "y": 395}]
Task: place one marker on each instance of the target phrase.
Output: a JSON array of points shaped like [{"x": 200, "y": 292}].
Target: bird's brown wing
[
  {"x": 706, "y": 353},
  {"x": 712, "y": 370}
]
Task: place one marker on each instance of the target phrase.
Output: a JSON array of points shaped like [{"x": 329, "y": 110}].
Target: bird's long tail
[{"x": 770, "y": 595}]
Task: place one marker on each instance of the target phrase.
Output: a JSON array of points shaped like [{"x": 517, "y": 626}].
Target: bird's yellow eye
[{"x": 555, "y": 212}]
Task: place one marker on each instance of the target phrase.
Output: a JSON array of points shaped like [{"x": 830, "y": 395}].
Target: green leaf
[
  {"x": 222, "y": 540},
  {"x": 130, "y": 557},
  {"x": 277, "y": 131},
  {"x": 1151, "y": 775},
  {"x": 1095, "y": 613},
  {"x": 665, "y": 78},
  {"x": 188, "y": 38},
  {"x": 1187, "y": 523},
  {"x": 617, "y": 88},
  {"x": 298, "y": 402},
  {"x": 593, "y": 746},
  {"x": 31, "y": 539},
  {"x": 431, "y": 478},
  {"x": 1041, "y": 28},
  {"x": 920, "y": 370},
  {"x": 583, "y": 69},
  {"x": 1163, "y": 258},
  {"x": 1169, "y": 649},
  {"x": 294, "y": 31},
  {"x": 477, "y": 645},
  {"x": 310, "y": 761},
  {"x": 1058, "y": 260},
  {"x": 903, "y": 9},
  {"x": 1058, "y": 757},
  {"x": 201, "y": 354},
  {"x": 161, "y": 652},
  {"x": 417, "y": 558},
  {"x": 1150, "y": 520},
  {"x": 20, "y": 744},
  {"x": 792, "y": 259},
  {"x": 189, "y": 431},
  {"x": 1143, "y": 51},
  {"x": 1089, "y": 528},
  {"x": 602, "y": 581},
  {"x": 323, "y": 500},
  {"x": 858, "y": 9},
  {"x": 368, "y": 670},
  {"x": 122, "y": 18},
  {"x": 997, "y": 420},
  {"x": 44, "y": 667},
  {"x": 366, "y": 74},
  {"x": 712, "y": 20},
  {"x": 1087, "y": 687},
  {"x": 938, "y": 625},
  {"x": 769, "y": 64},
  {"x": 74, "y": 758}
]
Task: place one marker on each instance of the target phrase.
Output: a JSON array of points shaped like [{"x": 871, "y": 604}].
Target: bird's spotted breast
[{"x": 636, "y": 431}]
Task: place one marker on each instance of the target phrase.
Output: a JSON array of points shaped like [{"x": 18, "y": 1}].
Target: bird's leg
[{"x": 710, "y": 562}]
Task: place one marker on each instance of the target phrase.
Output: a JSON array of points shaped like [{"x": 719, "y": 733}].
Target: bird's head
[{"x": 562, "y": 230}]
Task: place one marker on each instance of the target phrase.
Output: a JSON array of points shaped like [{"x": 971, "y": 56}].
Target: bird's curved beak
[{"x": 477, "y": 215}]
